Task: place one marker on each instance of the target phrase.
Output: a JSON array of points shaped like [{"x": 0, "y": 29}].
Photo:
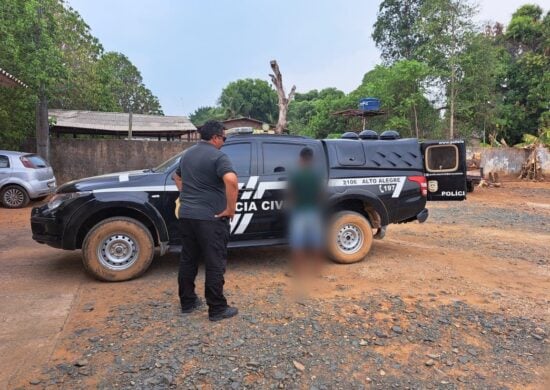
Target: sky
[{"x": 189, "y": 50}]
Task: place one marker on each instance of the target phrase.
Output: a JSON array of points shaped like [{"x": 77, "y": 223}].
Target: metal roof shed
[{"x": 117, "y": 124}]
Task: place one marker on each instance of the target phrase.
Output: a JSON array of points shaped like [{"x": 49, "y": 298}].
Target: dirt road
[{"x": 461, "y": 301}]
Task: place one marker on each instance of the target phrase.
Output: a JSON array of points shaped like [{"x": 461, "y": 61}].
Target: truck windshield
[{"x": 168, "y": 164}]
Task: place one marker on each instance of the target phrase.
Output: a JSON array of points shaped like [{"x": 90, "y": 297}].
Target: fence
[
  {"x": 77, "y": 158},
  {"x": 508, "y": 161}
]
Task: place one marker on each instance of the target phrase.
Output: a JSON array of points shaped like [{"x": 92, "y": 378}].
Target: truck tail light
[
  {"x": 27, "y": 163},
  {"x": 421, "y": 180}
]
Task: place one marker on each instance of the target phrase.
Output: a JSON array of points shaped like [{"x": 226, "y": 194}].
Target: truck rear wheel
[
  {"x": 118, "y": 249},
  {"x": 350, "y": 237}
]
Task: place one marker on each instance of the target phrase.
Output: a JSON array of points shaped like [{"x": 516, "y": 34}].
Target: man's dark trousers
[{"x": 206, "y": 240}]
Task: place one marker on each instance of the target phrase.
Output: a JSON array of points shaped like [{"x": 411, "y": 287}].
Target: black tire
[
  {"x": 350, "y": 237},
  {"x": 14, "y": 197},
  {"x": 470, "y": 186},
  {"x": 118, "y": 249}
]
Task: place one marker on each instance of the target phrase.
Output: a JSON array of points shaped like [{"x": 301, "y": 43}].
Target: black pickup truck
[{"x": 118, "y": 219}]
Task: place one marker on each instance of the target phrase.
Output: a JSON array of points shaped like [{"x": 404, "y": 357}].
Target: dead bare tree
[{"x": 277, "y": 80}]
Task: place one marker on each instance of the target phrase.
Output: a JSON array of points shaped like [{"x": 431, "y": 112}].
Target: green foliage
[
  {"x": 311, "y": 113},
  {"x": 483, "y": 64},
  {"x": 445, "y": 26},
  {"x": 526, "y": 83},
  {"x": 29, "y": 33},
  {"x": 203, "y": 114},
  {"x": 542, "y": 139},
  {"x": 48, "y": 46},
  {"x": 252, "y": 98},
  {"x": 121, "y": 87},
  {"x": 526, "y": 30},
  {"x": 394, "y": 30},
  {"x": 401, "y": 88}
]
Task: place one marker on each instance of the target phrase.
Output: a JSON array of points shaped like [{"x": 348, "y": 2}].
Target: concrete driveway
[{"x": 38, "y": 286}]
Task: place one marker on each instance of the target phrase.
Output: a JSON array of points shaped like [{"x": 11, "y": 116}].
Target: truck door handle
[{"x": 282, "y": 178}]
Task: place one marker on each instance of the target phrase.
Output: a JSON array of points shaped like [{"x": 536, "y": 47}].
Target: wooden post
[{"x": 130, "y": 124}]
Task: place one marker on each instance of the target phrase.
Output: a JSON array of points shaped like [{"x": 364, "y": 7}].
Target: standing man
[
  {"x": 306, "y": 193},
  {"x": 208, "y": 194}
]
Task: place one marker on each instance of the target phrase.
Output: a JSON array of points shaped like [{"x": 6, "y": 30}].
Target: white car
[{"x": 24, "y": 176}]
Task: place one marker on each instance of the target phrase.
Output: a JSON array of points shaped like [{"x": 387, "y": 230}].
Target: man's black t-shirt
[{"x": 201, "y": 169}]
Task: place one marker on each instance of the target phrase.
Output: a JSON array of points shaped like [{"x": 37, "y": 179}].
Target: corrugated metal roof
[
  {"x": 118, "y": 121},
  {"x": 8, "y": 80}
]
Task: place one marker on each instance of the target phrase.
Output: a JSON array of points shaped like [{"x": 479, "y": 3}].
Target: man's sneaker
[
  {"x": 193, "y": 307},
  {"x": 227, "y": 313}
]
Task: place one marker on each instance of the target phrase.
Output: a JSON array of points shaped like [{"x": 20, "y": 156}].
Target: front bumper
[{"x": 45, "y": 229}]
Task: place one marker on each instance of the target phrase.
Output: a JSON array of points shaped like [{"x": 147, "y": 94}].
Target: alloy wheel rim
[{"x": 14, "y": 197}]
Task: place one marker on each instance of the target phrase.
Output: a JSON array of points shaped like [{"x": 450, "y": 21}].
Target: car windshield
[{"x": 167, "y": 165}]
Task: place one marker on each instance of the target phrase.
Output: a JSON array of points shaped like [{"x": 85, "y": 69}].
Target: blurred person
[
  {"x": 306, "y": 192},
  {"x": 208, "y": 194}
]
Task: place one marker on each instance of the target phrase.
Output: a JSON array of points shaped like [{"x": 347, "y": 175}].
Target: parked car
[
  {"x": 24, "y": 177},
  {"x": 118, "y": 220}
]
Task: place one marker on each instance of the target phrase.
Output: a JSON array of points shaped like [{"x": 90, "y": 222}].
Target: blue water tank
[{"x": 369, "y": 104}]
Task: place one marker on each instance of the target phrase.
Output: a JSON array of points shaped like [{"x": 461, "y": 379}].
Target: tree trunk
[
  {"x": 452, "y": 109},
  {"x": 277, "y": 80},
  {"x": 415, "y": 121},
  {"x": 42, "y": 125}
]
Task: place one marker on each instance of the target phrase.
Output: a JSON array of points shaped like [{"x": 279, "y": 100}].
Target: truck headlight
[{"x": 58, "y": 199}]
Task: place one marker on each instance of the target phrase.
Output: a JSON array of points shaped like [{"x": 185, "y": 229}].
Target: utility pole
[{"x": 42, "y": 125}]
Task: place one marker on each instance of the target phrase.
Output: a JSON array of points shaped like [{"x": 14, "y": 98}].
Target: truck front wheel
[
  {"x": 118, "y": 249},
  {"x": 350, "y": 237}
]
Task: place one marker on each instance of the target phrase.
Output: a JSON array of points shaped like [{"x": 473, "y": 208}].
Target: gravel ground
[
  {"x": 315, "y": 344},
  {"x": 460, "y": 302}
]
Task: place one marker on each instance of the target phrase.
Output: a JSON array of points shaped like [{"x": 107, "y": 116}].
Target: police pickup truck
[{"x": 119, "y": 219}]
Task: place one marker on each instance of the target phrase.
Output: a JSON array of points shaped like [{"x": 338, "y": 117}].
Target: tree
[
  {"x": 284, "y": 100},
  {"x": 80, "y": 51},
  {"x": 310, "y": 113},
  {"x": 205, "y": 113},
  {"x": 402, "y": 89},
  {"x": 252, "y": 98},
  {"x": 526, "y": 83},
  {"x": 394, "y": 30},
  {"x": 483, "y": 65},
  {"x": 445, "y": 27},
  {"x": 121, "y": 86},
  {"x": 30, "y": 34},
  {"x": 49, "y": 46}
]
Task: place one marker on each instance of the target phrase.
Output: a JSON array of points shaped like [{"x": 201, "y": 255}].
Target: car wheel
[
  {"x": 14, "y": 197},
  {"x": 118, "y": 249},
  {"x": 350, "y": 237}
]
